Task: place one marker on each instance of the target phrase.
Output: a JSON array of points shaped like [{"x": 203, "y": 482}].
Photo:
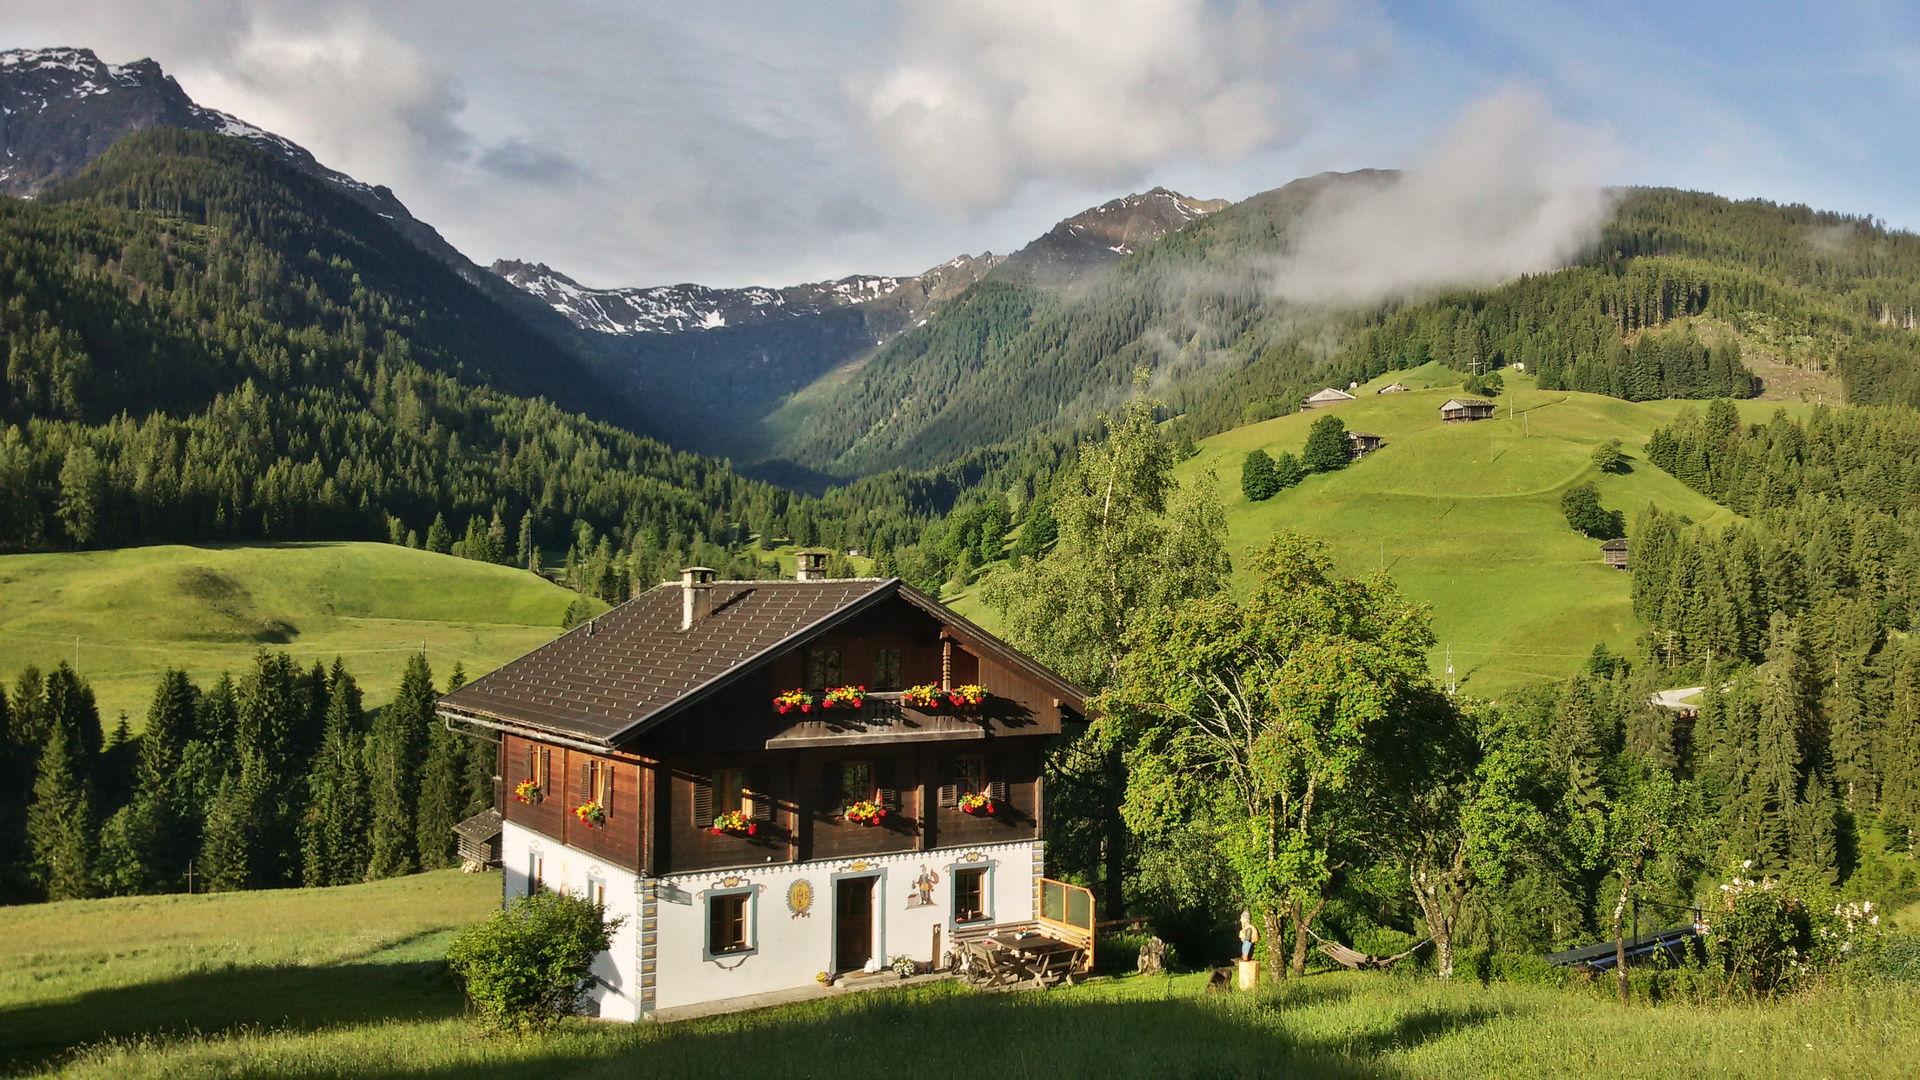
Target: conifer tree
[
  {"x": 1781, "y": 698},
  {"x": 228, "y": 840},
  {"x": 523, "y": 551},
  {"x": 69, "y": 706},
  {"x": 1287, "y": 470},
  {"x": 397, "y": 746},
  {"x": 60, "y": 826},
  {"x": 335, "y": 834},
  {"x": 439, "y": 537}
]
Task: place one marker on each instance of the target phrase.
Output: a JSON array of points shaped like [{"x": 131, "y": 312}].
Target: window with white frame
[{"x": 730, "y": 925}]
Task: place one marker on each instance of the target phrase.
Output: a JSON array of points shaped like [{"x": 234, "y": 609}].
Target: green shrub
[
  {"x": 1327, "y": 448},
  {"x": 1257, "y": 479},
  {"x": 1118, "y": 951},
  {"x": 1526, "y": 969},
  {"x": 529, "y": 965}
]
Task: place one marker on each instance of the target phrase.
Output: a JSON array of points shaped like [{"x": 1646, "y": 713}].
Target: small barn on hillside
[
  {"x": 1392, "y": 388},
  {"x": 1462, "y": 410},
  {"x": 1614, "y": 554},
  {"x": 1326, "y": 397},
  {"x": 479, "y": 842},
  {"x": 1362, "y": 443}
]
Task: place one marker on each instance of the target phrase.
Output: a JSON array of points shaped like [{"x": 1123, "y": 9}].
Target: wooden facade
[
  {"x": 662, "y": 787},
  {"x": 1614, "y": 554},
  {"x": 1463, "y": 410}
]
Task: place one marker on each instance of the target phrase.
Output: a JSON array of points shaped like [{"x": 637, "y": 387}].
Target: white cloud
[
  {"x": 992, "y": 93},
  {"x": 1509, "y": 189}
]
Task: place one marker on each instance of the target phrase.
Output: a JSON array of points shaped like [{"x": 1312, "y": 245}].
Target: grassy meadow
[
  {"x": 1466, "y": 517},
  {"x": 135, "y": 611},
  {"x": 348, "y": 982}
]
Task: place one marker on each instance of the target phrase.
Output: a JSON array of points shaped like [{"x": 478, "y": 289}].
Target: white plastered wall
[
  {"x": 616, "y": 989},
  {"x": 790, "y": 948}
]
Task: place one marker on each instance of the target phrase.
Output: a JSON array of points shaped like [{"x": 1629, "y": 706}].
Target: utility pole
[{"x": 1451, "y": 685}]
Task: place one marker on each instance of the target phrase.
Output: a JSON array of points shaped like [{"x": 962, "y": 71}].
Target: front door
[{"x": 852, "y": 923}]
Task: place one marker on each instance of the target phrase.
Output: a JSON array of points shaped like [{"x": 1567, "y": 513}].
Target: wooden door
[{"x": 852, "y": 924}]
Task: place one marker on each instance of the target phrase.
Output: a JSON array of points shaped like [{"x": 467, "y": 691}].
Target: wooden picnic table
[{"x": 1047, "y": 959}]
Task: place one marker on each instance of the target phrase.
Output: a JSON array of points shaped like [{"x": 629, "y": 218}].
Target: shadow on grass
[
  {"x": 210, "y": 1002},
  {"x": 930, "y": 1032}
]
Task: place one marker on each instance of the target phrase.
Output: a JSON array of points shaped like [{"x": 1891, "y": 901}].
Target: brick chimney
[
  {"x": 696, "y": 595},
  {"x": 813, "y": 565}
]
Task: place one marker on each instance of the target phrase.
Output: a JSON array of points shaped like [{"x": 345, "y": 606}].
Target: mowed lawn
[
  {"x": 132, "y": 612},
  {"x": 348, "y": 982},
  {"x": 1466, "y": 517}
]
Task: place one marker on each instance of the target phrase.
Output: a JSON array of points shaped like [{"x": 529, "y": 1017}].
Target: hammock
[{"x": 1355, "y": 960}]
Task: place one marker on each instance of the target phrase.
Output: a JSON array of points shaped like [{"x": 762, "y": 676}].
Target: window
[
  {"x": 597, "y": 892},
  {"x": 727, "y": 924},
  {"x": 886, "y": 669},
  {"x": 969, "y": 895},
  {"x": 823, "y": 667},
  {"x": 730, "y": 792},
  {"x": 596, "y": 784},
  {"x": 970, "y": 775},
  {"x": 965, "y": 775},
  {"x": 536, "y": 872},
  {"x": 856, "y": 781}
]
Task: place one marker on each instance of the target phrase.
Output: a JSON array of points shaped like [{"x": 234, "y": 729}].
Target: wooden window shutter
[
  {"x": 586, "y": 781},
  {"x": 606, "y": 787},
  {"x": 996, "y": 780},
  {"x": 546, "y": 768},
  {"x": 702, "y": 804},
  {"x": 885, "y": 793},
  {"x": 532, "y": 773},
  {"x": 758, "y": 781},
  {"x": 949, "y": 794}
]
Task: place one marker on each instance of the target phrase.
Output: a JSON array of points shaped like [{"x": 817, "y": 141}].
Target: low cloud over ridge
[{"x": 1509, "y": 189}]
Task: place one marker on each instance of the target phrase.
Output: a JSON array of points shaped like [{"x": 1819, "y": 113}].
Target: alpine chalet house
[{"x": 772, "y": 780}]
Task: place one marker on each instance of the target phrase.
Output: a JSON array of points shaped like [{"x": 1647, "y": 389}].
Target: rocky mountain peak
[{"x": 1085, "y": 245}]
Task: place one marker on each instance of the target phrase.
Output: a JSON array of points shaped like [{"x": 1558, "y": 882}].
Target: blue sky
[{"x": 759, "y": 141}]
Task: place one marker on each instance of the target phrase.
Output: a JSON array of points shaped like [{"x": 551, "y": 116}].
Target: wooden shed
[
  {"x": 1392, "y": 388},
  {"x": 1362, "y": 443},
  {"x": 1326, "y": 397},
  {"x": 479, "y": 840},
  {"x": 1462, "y": 410},
  {"x": 1614, "y": 554}
]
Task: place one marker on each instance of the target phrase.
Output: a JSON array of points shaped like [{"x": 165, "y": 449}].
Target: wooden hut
[
  {"x": 1462, "y": 410},
  {"x": 1614, "y": 554},
  {"x": 479, "y": 840},
  {"x": 1362, "y": 443},
  {"x": 1326, "y": 397},
  {"x": 1392, "y": 388}
]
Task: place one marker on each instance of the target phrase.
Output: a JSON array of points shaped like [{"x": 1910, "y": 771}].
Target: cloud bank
[
  {"x": 990, "y": 94},
  {"x": 1509, "y": 189}
]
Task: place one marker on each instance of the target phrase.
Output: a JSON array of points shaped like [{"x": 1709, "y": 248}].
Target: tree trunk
[
  {"x": 1439, "y": 926},
  {"x": 1114, "y": 872},
  {"x": 1620, "y": 942},
  {"x": 1302, "y": 919},
  {"x": 1276, "y": 944}
]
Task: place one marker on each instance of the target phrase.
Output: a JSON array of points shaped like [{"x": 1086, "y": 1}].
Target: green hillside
[
  {"x": 1466, "y": 517},
  {"x": 135, "y": 611},
  {"x": 1800, "y": 290}
]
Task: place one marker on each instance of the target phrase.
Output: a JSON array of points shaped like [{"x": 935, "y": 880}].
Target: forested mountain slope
[
  {"x": 1006, "y": 360},
  {"x": 204, "y": 343}
]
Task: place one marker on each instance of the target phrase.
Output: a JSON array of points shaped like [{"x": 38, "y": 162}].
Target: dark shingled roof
[{"x": 604, "y": 677}]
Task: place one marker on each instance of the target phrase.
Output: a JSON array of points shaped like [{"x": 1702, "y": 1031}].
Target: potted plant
[
  {"x": 967, "y": 697},
  {"x": 791, "y": 700},
  {"x": 866, "y": 812},
  {"x": 735, "y": 823},
  {"x": 926, "y": 696},
  {"x": 845, "y": 697},
  {"x": 526, "y": 791},
  {"x": 976, "y": 804},
  {"x": 591, "y": 814}
]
